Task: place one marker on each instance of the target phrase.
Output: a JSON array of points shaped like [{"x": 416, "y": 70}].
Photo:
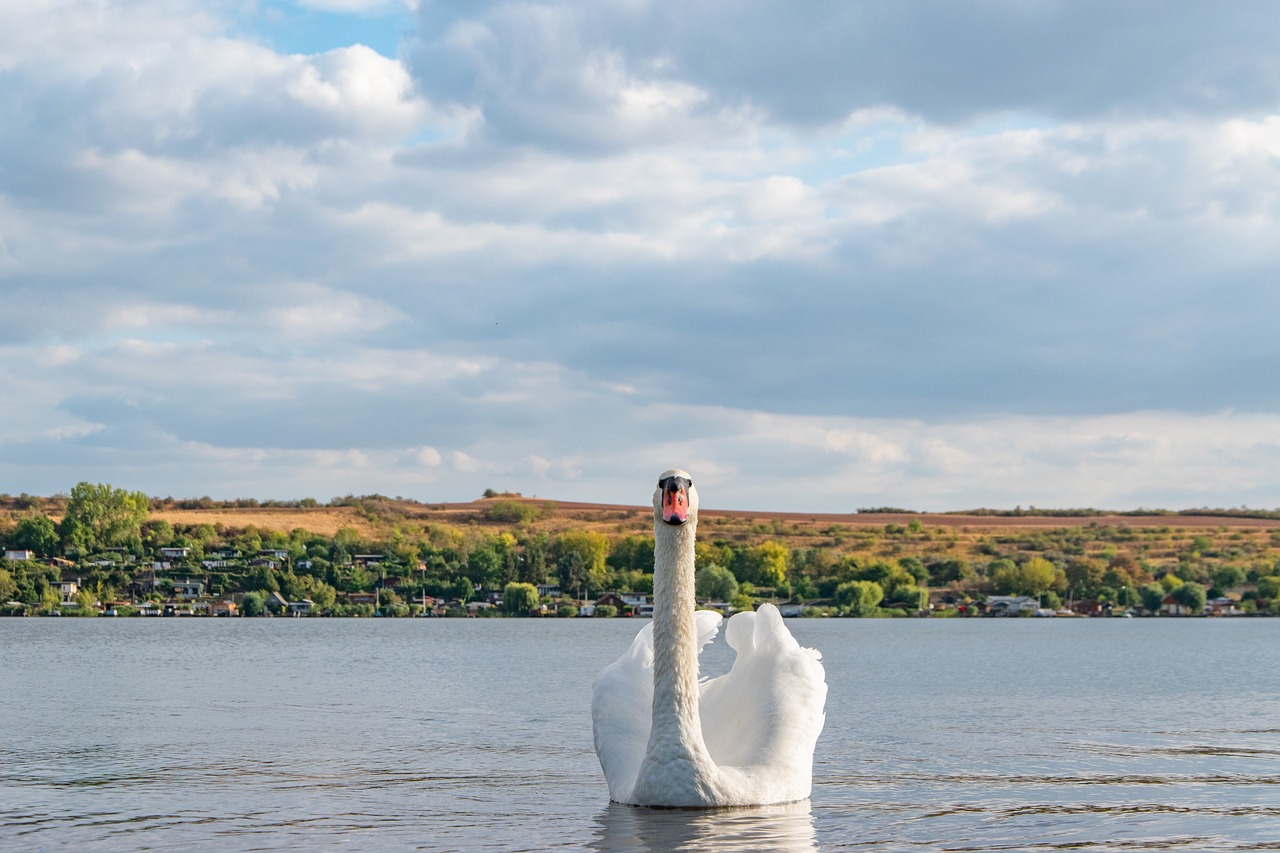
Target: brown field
[{"x": 561, "y": 515}]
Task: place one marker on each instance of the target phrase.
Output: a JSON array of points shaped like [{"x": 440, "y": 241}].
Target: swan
[{"x": 663, "y": 737}]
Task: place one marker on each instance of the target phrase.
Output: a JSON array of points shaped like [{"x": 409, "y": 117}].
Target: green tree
[
  {"x": 8, "y": 588},
  {"x": 1228, "y": 576},
  {"x": 1269, "y": 587},
  {"x": 533, "y": 559},
  {"x": 102, "y": 516},
  {"x": 771, "y": 560},
  {"x": 263, "y": 578},
  {"x": 1038, "y": 575},
  {"x": 913, "y": 596},
  {"x": 1191, "y": 597},
  {"x": 633, "y": 552},
  {"x": 1152, "y": 595},
  {"x": 715, "y": 583},
  {"x": 36, "y": 533},
  {"x": 587, "y": 551},
  {"x": 519, "y": 598},
  {"x": 859, "y": 598},
  {"x": 86, "y": 603},
  {"x": 573, "y": 572},
  {"x": 251, "y": 604}
]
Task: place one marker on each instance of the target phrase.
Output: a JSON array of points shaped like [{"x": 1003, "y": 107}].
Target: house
[
  {"x": 474, "y": 607},
  {"x": 368, "y": 559},
  {"x": 634, "y": 599},
  {"x": 188, "y": 590},
  {"x": 1011, "y": 605},
  {"x": 175, "y": 553},
  {"x": 362, "y": 598},
  {"x": 947, "y": 599},
  {"x": 1170, "y": 607},
  {"x": 788, "y": 609},
  {"x": 1222, "y": 606},
  {"x": 223, "y": 608},
  {"x": 612, "y": 599},
  {"x": 19, "y": 554},
  {"x": 68, "y": 590},
  {"x": 301, "y": 608},
  {"x": 273, "y": 553},
  {"x": 548, "y": 590},
  {"x": 223, "y": 553},
  {"x": 1089, "y": 607},
  {"x": 276, "y": 603}
]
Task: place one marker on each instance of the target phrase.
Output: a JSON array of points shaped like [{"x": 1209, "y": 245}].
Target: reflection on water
[{"x": 787, "y": 828}]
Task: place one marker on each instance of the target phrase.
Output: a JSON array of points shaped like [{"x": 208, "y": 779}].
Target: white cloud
[{"x": 557, "y": 251}]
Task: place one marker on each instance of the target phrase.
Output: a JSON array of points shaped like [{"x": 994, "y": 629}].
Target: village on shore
[{"x": 106, "y": 551}]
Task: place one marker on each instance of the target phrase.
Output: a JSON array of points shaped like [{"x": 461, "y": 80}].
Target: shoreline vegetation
[{"x": 102, "y": 550}]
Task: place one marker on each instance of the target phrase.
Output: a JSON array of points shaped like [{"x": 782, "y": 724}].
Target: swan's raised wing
[
  {"x": 764, "y": 716},
  {"x": 622, "y": 706}
]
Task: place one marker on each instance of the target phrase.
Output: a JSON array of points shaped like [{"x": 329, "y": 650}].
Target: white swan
[{"x": 745, "y": 738}]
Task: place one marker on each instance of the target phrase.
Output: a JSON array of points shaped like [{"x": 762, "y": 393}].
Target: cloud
[
  {"x": 944, "y": 255},
  {"x": 542, "y": 68}
]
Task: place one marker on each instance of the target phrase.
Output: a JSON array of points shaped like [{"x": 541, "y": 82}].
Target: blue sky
[{"x": 927, "y": 254}]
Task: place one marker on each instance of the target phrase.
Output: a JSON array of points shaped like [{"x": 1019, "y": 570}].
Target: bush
[
  {"x": 608, "y": 611},
  {"x": 566, "y": 611},
  {"x": 512, "y": 512}
]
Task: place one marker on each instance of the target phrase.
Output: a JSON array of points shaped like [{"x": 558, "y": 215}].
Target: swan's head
[{"x": 676, "y": 500}]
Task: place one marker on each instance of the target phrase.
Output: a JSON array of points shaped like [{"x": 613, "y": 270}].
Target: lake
[{"x": 379, "y": 734}]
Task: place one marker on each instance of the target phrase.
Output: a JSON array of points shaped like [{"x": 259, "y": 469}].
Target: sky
[{"x": 823, "y": 256}]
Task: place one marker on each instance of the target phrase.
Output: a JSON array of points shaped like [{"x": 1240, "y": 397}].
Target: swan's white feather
[
  {"x": 760, "y": 720},
  {"x": 622, "y": 702}
]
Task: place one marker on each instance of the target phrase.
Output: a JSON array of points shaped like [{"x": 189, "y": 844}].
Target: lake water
[{"x": 309, "y": 734}]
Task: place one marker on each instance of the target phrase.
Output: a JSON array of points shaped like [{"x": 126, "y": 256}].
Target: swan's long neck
[
  {"x": 677, "y": 770},
  {"x": 675, "y": 636}
]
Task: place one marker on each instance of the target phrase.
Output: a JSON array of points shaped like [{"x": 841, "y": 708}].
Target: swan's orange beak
[{"x": 675, "y": 501}]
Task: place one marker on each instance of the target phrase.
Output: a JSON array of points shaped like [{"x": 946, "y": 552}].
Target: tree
[
  {"x": 36, "y": 533},
  {"x": 1269, "y": 587},
  {"x": 86, "y": 603},
  {"x": 859, "y": 598},
  {"x": 1084, "y": 574},
  {"x": 251, "y": 604},
  {"x": 715, "y": 583},
  {"x": 1190, "y": 597},
  {"x": 1038, "y": 575},
  {"x": 1152, "y": 596},
  {"x": 771, "y": 560},
  {"x": 1033, "y": 577},
  {"x": 533, "y": 559},
  {"x": 519, "y": 598},
  {"x": 263, "y": 578},
  {"x": 102, "y": 516},
  {"x": 633, "y": 552},
  {"x": 8, "y": 589},
  {"x": 913, "y": 596},
  {"x": 587, "y": 551},
  {"x": 1228, "y": 576},
  {"x": 573, "y": 571}
]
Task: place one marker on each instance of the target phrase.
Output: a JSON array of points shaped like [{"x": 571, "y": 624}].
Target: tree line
[{"x": 106, "y": 539}]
